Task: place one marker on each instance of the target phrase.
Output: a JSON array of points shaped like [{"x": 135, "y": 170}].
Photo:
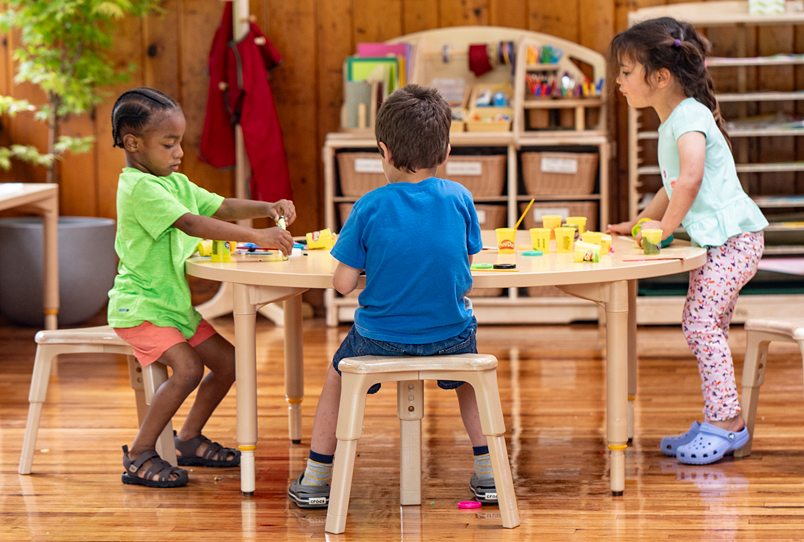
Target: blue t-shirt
[
  {"x": 721, "y": 209},
  {"x": 414, "y": 241}
]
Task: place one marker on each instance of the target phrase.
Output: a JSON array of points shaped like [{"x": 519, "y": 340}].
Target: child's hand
[
  {"x": 649, "y": 225},
  {"x": 275, "y": 238},
  {"x": 284, "y": 208},
  {"x": 623, "y": 228}
]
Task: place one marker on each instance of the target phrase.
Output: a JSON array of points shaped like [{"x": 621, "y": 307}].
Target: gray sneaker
[
  {"x": 309, "y": 496},
  {"x": 485, "y": 491}
]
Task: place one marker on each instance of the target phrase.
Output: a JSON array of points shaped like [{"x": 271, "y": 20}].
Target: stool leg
[
  {"x": 756, "y": 358},
  {"x": 154, "y": 375},
  {"x": 135, "y": 377},
  {"x": 410, "y": 410},
  {"x": 39, "y": 382},
  {"x": 492, "y": 422},
  {"x": 801, "y": 347},
  {"x": 350, "y": 429}
]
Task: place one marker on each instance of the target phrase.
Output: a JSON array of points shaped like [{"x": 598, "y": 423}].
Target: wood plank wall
[{"x": 313, "y": 36}]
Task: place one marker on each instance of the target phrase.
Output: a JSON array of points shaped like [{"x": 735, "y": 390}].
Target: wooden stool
[
  {"x": 91, "y": 340},
  {"x": 360, "y": 373},
  {"x": 759, "y": 334}
]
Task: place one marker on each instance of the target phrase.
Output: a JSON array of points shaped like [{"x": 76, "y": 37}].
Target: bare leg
[
  {"x": 218, "y": 355},
  {"x": 324, "y": 440},
  {"x": 470, "y": 415},
  {"x": 732, "y": 424},
  {"x": 187, "y": 373}
]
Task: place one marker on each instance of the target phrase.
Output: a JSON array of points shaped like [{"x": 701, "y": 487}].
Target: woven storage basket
[
  {"x": 483, "y": 176},
  {"x": 360, "y": 172},
  {"x": 491, "y": 217},
  {"x": 563, "y": 208},
  {"x": 559, "y": 173}
]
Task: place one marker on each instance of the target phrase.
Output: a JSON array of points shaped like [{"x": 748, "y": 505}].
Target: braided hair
[
  {"x": 134, "y": 109},
  {"x": 676, "y": 46}
]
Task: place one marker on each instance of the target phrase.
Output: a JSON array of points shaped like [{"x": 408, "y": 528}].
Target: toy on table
[
  {"x": 321, "y": 239},
  {"x": 255, "y": 253},
  {"x": 587, "y": 252},
  {"x": 218, "y": 251},
  {"x": 638, "y": 227}
]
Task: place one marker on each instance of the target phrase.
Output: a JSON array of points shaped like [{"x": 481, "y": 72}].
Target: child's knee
[{"x": 188, "y": 375}]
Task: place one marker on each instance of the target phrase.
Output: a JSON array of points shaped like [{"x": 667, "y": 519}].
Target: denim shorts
[{"x": 355, "y": 345}]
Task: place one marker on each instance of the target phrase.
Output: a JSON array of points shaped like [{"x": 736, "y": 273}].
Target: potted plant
[{"x": 64, "y": 51}]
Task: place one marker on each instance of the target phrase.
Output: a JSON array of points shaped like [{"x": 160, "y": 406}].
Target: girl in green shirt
[{"x": 161, "y": 216}]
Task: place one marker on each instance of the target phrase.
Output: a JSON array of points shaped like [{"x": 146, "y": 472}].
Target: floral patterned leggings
[{"x": 711, "y": 297}]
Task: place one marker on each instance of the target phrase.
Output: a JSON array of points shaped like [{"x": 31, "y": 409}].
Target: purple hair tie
[{"x": 677, "y": 43}]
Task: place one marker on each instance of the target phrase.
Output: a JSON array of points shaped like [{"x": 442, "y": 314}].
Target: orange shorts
[{"x": 150, "y": 342}]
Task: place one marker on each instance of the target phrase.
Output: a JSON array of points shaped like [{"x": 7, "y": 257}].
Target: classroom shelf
[
  {"x": 775, "y": 60},
  {"x": 581, "y": 131},
  {"x": 756, "y": 132},
  {"x": 741, "y": 168}
]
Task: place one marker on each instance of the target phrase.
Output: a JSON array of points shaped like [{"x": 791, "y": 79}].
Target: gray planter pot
[{"x": 87, "y": 267}]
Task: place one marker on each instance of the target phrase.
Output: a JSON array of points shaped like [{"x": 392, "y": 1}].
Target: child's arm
[
  {"x": 211, "y": 228},
  {"x": 239, "y": 209},
  {"x": 656, "y": 207},
  {"x": 345, "y": 278},
  {"x": 692, "y": 157}
]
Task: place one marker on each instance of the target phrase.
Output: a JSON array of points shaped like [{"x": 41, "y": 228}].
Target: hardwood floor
[{"x": 552, "y": 388}]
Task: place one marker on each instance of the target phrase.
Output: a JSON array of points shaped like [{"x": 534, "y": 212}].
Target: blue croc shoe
[
  {"x": 711, "y": 444},
  {"x": 669, "y": 445}
]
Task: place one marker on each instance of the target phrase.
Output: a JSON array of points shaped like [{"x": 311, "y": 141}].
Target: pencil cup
[
  {"x": 551, "y": 222},
  {"x": 651, "y": 239},
  {"x": 540, "y": 239},
  {"x": 506, "y": 240},
  {"x": 565, "y": 239},
  {"x": 580, "y": 220}
]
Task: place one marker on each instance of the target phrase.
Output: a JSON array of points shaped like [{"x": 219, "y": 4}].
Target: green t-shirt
[{"x": 150, "y": 285}]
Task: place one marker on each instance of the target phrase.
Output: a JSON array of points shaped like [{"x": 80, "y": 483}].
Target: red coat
[{"x": 239, "y": 92}]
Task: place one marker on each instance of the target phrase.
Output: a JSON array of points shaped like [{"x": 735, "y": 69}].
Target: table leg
[
  {"x": 245, "y": 316},
  {"x": 294, "y": 366},
  {"x": 617, "y": 382},
  {"x": 614, "y": 298},
  {"x": 632, "y": 356},
  {"x": 50, "y": 242}
]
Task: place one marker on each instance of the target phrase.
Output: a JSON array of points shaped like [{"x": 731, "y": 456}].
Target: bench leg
[
  {"x": 39, "y": 382},
  {"x": 756, "y": 358},
  {"x": 342, "y": 472}
]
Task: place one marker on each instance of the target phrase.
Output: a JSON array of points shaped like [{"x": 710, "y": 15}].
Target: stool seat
[
  {"x": 358, "y": 374},
  {"x": 793, "y": 327},
  {"x": 90, "y": 340},
  {"x": 85, "y": 335},
  {"x": 760, "y": 332},
  {"x": 383, "y": 364}
]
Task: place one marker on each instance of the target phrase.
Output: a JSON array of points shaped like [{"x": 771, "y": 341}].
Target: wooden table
[
  {"x": 611, "y": 283},
  {"x": 41, "y": 199}
]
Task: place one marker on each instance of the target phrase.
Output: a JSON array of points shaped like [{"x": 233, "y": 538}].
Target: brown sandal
[
  {"x": 158, "y": 466},
  {"x": 214, "y": 456}
]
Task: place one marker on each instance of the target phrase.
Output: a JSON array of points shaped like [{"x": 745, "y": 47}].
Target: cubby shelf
[{"x": 510, "y": 306}]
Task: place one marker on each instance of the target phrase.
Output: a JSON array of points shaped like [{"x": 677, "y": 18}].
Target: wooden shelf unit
[
  {"x": 661, "y": 310},
  {"x": 511, "y": 306}
]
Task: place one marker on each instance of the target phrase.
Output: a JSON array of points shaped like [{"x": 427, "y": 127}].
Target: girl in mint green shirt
[
  {"x": 161, "y": 217},
  {"x": 662, "y": 65}
]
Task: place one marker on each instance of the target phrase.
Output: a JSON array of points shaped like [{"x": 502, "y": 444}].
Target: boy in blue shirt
[{"x": 414, "y": 238}]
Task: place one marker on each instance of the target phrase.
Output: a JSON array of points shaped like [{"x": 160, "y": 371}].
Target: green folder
[{"x": 359, "y": 69}]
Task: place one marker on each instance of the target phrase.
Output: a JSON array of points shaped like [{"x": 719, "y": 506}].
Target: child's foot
[
  {"x": 669, "y": 445},
  {"x": 306, "y": 496},
  {"x": 484, "y": 489},
  {"x": 711, "y": 444},
  {"x": 201, "y": 451},
  {"x": 150, "y": 470}
]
